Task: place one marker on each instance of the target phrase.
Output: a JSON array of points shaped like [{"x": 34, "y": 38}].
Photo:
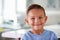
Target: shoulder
[
  {"x": 48, "y": 31},
  {"x": 51, "y": 34},
  {"x": 25, "y": 36}
]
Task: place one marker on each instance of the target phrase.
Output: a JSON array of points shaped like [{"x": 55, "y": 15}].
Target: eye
[
  {"x": 40, "y": 17},
  {"x": 32, "y": 18}
]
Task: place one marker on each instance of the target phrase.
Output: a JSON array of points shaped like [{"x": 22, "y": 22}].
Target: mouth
[
  {"x": 37, "y": 27},
  {"x": 38, "y": 24}
]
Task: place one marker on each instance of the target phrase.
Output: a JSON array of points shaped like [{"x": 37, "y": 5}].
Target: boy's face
[{"x": 36, "y": 19}]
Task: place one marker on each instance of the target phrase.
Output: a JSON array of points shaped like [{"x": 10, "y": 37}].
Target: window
[
  {"x": 21, "y": 5},
  {"x": 1, "y": 8},
  {"x": 9, "y": 10}
]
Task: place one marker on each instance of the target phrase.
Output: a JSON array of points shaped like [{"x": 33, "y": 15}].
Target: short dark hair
[{"x": 36, "y": 6}]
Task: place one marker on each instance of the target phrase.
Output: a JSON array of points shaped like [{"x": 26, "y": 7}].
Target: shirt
[{"x": 46, "y": 35}]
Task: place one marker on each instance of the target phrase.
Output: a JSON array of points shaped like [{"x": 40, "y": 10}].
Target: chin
[{"x": 39, "y": 28}]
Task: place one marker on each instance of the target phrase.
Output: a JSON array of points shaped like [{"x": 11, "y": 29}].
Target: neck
[{"x": 37, "y": 31}]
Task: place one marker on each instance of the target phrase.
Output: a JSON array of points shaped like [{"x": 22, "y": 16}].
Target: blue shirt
[{"x": 46, "y": 35}]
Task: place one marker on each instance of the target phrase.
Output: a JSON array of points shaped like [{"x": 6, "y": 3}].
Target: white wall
[{"x": 53, "y": 17}]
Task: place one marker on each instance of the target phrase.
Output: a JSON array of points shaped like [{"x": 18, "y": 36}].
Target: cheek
[
  {"x": 43, "y": 21},
  {"x": 31, "y": 23}
]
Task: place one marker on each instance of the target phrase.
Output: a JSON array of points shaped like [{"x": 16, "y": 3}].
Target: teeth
[{"x": 37, "y": 24}]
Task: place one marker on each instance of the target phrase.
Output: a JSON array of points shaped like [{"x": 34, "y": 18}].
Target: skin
[{"x": 36, "y": 19}]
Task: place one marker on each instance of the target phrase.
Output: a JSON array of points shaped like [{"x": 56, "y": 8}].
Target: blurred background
[{"x": 13, "y": 13}]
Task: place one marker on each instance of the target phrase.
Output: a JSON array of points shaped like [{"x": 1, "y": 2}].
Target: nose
[{"x": 37, "y": 21}]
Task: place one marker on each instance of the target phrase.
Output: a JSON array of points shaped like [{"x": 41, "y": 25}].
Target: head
[{"x": 36, "y": 17}]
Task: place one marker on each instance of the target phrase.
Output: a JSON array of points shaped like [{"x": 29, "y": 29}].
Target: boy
[{"x": 36, "y": 19}]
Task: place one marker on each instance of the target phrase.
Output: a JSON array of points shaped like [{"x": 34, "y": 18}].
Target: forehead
[{"x": 36, "y": 12}]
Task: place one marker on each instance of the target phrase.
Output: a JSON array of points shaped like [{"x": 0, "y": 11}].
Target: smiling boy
[{"x": 36, "y": 19}]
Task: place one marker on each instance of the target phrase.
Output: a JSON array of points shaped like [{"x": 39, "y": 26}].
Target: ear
[
  {"x": 46, "y": 18},
  {"x": 26, "y": 20}
]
